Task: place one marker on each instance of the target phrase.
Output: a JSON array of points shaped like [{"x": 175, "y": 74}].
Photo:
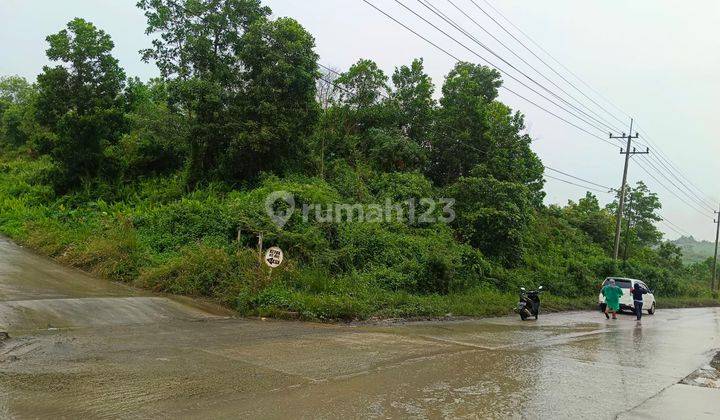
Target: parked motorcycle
[{"x": 529, "y": 304}]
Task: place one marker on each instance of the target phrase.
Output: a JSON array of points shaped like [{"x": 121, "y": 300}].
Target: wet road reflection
[{"x": 111, "y": 351}]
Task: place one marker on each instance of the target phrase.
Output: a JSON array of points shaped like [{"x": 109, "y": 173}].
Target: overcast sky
[{"x": 657, "y": 60}]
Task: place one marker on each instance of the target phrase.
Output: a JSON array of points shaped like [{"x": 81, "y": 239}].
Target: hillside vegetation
[
  {"x": 694, "y": 251},
  {"x": 163, "y": 183}
]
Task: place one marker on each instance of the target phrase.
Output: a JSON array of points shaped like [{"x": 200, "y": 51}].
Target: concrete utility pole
[
  {"x": 627, "y": 152},
  {"x": 717, "y": 236},
  {"x": 627, "y": 229}
]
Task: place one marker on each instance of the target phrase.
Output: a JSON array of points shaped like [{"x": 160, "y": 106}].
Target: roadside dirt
[{"x": 707, "y": 376}]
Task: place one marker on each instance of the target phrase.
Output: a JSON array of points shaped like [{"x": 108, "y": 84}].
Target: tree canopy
[
  {"x": 79, "y": 100},
  {"x": 164, "y": 181}
]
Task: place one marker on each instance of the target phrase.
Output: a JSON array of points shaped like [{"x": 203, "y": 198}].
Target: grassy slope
[{"x": 109, "y": 240}]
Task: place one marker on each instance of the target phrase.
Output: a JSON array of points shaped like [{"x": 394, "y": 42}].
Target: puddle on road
[
  {"x": 495, "y": 334},
  {"x": 124, "y": 353}
]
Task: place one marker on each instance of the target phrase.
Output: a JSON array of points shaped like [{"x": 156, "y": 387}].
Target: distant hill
[{"x": 693, "y": 250}]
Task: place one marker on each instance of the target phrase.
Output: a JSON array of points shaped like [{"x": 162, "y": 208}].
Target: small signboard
[{"x": 273, "y": 257}]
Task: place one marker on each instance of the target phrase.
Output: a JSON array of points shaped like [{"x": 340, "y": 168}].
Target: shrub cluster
[{"x": 163, "y": 182}]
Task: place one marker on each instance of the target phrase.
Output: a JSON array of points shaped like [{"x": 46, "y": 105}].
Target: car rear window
[{"x": 623, "y": 284}]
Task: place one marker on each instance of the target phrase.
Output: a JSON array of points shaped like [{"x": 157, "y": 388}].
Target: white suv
[{"x": 626, "y": 300}]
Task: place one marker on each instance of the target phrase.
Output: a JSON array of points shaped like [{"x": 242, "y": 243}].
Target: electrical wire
[
  {"x": 671, "y": 191},
  {"x": 607, "y": 189},
  {"x": 669, "y": 166},
  {"x": 667, "y": 225},
  {"x": 551, "y": 57},
  {"x": 515, "y": 93},
  {"x": 384, "y": 95},
  {"x": 502, "y": 87},
  {"x": 599, "y": 118},
  {"x": 661, "y": 159},
  {"x": 472, "y": 51},
  {"x": 490, "y": 63},
  {"x": 682, "y": 231},
  {"x": 682, "y": 190},
  {"x": 575, "y": 184}
]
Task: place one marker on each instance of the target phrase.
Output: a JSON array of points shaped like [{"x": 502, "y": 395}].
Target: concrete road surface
[{"x": 85, "y": 348}]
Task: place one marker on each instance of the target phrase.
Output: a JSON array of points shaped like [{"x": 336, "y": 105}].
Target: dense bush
[{"x": 165, "y": 183}]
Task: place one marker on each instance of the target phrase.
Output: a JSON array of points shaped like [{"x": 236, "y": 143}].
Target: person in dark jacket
[{"x": 637, "y": 292}]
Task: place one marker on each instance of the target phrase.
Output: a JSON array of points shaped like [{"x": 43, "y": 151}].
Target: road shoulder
[{"x": 679, "y": 401}]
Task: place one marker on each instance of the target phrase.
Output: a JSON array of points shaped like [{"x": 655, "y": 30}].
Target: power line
[
  {"x": 330, "y": 69},
  {"x": 667, "y": 225},
  {"x": 342, "y": 87},
  {"x": 668, "y": 165},
  {"x": 577, "y": 185},
  {"x": 662, "y": 159},
  {"x": 671, "y": 191},
  {"x": 502, "y": 87},
  {"x": 472, "y": 51},
  {"x": 715, "y": 255},
  {"x": 553, "y": 58},
  {"x": 599, "y": 118},
  {"x": 682, "y": 231},
  {"x": 698, "y": 193},
  {"x": 507, "y": 89},
  {"x": 607, "y": 189},
  {"x": 621, "y": 202},
  {"x": 690, "y": 197}
]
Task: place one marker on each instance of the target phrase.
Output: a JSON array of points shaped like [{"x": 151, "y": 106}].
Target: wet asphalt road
[{"x": 83, "y": 347}]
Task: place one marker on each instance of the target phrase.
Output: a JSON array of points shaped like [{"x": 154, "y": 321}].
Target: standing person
[
  {"x": 612, "y": 295},
  {"x": 638, "y": 291}
]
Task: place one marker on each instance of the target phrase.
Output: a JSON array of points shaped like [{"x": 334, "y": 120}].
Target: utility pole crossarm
[
  {"x": 635, "y": 152},
  {"x": 624, "y": 136}
]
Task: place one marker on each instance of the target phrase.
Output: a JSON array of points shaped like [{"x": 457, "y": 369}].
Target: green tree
[
  {"x": 155, "y": 141},
  {"x": 198, "y": 38},
  {"x": 508, "y": 156},
  {"x": 14, "y": 90},
  {"x": 588, "y": 216},
  {"x": 246, "y": 84},
  {"x": 492, "y": 215},
  {"x": 348, "y": 128},
  {"x": 196, "y": 50},
  {"x": 16, "y": 125},
  {"x": 459, "y": 143},
  {"x": 670, "y": 255},
  {"x": 393, "y": 151},
  {"x": 79, "y": 99},
  {"x": 363, "y": 85},
  {"x": 413, "y": 96},
  {"x": 17, "y": 119},
  {"x": 476, "y": 133},
  {"x": 280, "y": 109},
  {"x": 639, "y": 217}
]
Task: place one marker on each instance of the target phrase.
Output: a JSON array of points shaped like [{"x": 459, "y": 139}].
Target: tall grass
[{"x": 155, "y": 236}]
